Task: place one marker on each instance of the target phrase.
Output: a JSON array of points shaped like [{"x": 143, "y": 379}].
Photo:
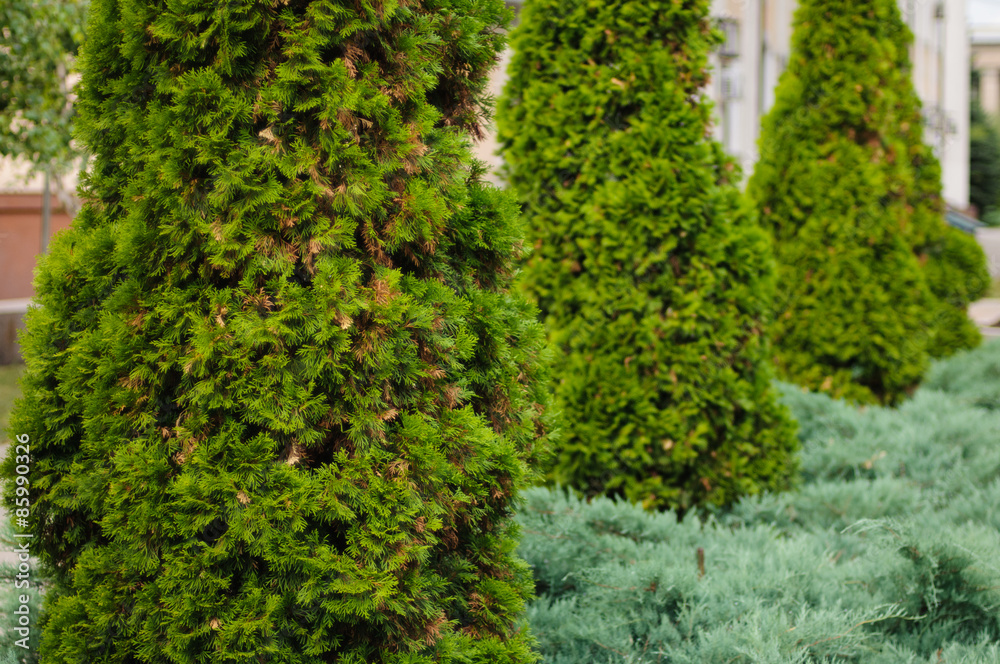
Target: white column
[
  {"x": 749, "y": 117},
  {"x": 955, "y": 160}
]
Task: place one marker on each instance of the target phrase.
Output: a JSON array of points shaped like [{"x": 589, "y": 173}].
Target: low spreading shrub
[
  {"x": 972, "y": 377},
  {"x": 886, "y": 554}
]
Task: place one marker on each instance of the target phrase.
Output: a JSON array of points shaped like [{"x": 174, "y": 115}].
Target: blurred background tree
[
  {"x": 876, "y": 282},
  {"x": 39, "y": 40},
  {"x": 984, "y": 165}
]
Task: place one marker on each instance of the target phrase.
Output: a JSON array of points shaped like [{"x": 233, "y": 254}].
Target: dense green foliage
[
  {"x": 279, "y": 398},
  {"x": 957, "y": 275},
  {"x": 651, "y": 275},
  {"x": 984, "y": 161},
  {"x": 874, "y": 281},
  {"x": 886, "y": 555},
  {"x": 38, "y": 41}
]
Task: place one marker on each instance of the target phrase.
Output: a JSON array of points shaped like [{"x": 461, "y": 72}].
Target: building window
[{"x": 730, "y": 47}]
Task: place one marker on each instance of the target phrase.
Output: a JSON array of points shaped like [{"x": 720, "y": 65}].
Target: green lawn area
[{"x": 8, "y": 392}]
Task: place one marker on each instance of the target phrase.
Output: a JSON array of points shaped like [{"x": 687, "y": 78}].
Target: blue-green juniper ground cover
[{"x": 889, "y": 552}]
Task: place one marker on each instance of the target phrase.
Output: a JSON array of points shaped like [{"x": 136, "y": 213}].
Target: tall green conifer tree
[
  {"x": 650, "y": 271},
  {"x": 874, "y": 283},
  {"x": 984, "y": 161},
  {"x": 279, "y": 399}
]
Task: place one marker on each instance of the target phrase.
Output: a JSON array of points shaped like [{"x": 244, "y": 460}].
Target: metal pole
[
  {"x": 724, "y": 113},
  {"x": 46, "y": 211}
]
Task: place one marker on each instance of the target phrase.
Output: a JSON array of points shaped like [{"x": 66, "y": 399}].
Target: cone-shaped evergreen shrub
[
  {"x": 278, "y": 396},
  {"x": 652, "y": 276},
  {"x": 873, "y": 280}
]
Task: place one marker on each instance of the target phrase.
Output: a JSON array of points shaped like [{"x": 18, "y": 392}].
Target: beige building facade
[
  {"x": 748, "y": 67},
  {"x": 940, "y": 56}
]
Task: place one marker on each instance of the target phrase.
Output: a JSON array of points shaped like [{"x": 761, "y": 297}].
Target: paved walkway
[
  {"x": 989, "y": 240},
  {"x": 986, "y": 312}
]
